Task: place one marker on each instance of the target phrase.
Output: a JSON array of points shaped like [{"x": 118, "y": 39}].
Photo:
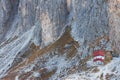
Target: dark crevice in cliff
[{"x": 13, "y": 10}]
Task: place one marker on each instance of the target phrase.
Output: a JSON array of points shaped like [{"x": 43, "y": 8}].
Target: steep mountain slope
[
  {"x": 51, "y": 39},
  {"x": 107, "y": 72}
]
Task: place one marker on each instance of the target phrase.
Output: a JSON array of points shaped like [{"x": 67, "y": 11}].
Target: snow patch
[
  {"x": 9, "y": 51},
  {"x": 36, "y": 74},
  {"x": 17, "y": 78}
]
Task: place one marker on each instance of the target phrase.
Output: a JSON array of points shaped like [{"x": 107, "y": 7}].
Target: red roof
[{"x": 98, "y": 53}]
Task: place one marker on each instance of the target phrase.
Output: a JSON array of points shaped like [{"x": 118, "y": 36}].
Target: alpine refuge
[{"x": 98, "y": 57}]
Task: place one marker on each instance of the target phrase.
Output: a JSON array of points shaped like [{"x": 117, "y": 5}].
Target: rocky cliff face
[
  {"x": 91, "y": 22},
  {"x": 49, "y": 39},
  {"x": 114, "y": 11}
]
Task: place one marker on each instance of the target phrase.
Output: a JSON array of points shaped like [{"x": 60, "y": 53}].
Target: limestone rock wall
[{"x": 92, "y": 24}]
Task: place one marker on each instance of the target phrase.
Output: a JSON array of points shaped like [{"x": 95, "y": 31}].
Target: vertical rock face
[
  {"x": 90, "y": 19},
  {"x": 19, "y": 16},
  {"x": 42, "y": 24},
  {"x": 90, "y": 22},
  {"x": 114, "y": 21},
  {"x": 53, "y": 15}
]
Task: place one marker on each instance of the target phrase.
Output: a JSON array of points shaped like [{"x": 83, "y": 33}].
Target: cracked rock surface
[{"x": 51, "y": 39}]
